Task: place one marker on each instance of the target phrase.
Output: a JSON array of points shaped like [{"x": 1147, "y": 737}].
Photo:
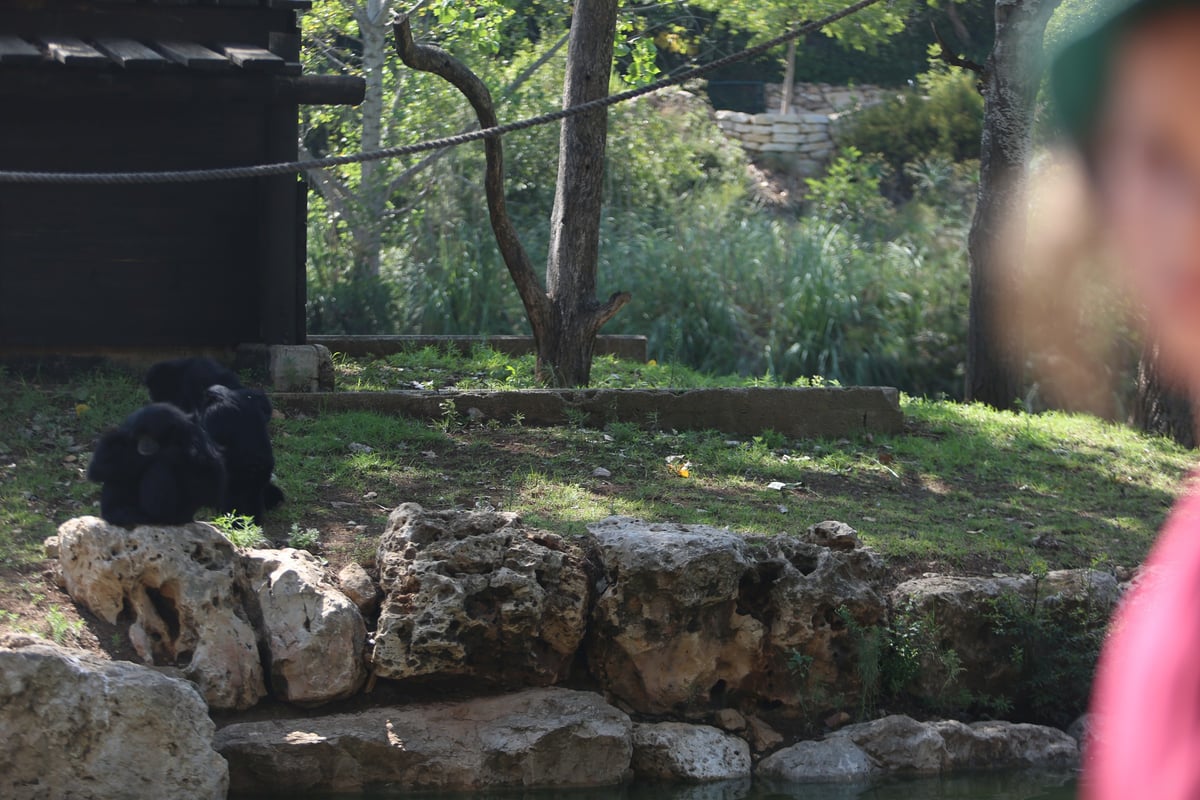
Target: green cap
[{"x": 1079, "y": 74}]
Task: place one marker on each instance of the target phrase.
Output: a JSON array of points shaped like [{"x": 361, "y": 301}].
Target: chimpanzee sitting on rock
[{"x": 158, "y": 467}]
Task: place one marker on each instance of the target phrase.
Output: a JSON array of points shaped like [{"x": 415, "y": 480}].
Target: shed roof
[{"x": 109, "y": 53}]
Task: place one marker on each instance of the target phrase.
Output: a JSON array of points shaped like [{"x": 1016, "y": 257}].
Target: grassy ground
[{"x": 964, "y": 489}]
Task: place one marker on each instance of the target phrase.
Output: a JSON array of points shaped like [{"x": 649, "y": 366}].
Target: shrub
[{"x": 943, "y": 116}]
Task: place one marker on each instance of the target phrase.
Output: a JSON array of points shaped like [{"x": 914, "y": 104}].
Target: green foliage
[
  {"x": 942, "y": 118},
  {"x": 1056, "y": 646},
  {"x": 304, "y": 538},
  {"x": 61, "y": 628},
  {"x": 241, "y": 530},
  {"x": 722, "y": 291},
  {"x": 849, "y": 191}
]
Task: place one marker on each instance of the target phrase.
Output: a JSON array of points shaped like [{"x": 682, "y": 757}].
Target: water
[{"x": 970, "y": 786}]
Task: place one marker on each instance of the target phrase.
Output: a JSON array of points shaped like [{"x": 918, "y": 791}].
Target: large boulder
[
  {"x": 969, "y": 616},
  {"x": 902, "y": 745},
  {"x": 218, "y": 613},
  {"x": 827, "y": 761},
  {"x": 693, "y": 618},
  {"x": 1000, "y": 745},
  {"x": 312, "y": 635},
  {"x": 676, "y": 751},
  {"x": 180, "y": 585},
  {"x": 537, "y": 737},
  {"x": 475, "y": 595},
  {"x": 899, "y": 744},
  {"x": 75, "y": 726}
]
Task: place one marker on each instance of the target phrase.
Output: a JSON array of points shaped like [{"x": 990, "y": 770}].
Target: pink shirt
[{"x": 1145, "y": 715}]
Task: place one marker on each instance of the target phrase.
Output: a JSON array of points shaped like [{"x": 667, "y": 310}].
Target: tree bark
[
  {"x": 1011, "y": 77},
  {"x": 1160, "y": 406},
  {"x": 368, "y": 236},
  {"x": 789, "y": 79},
  {"x": 565, "y": 352},
  {"x": 565, "y": 317}
]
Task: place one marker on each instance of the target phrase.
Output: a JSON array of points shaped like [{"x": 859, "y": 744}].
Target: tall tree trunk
[
  {"x": 565, "y": 351},
  {"x": 1011, "y": 77},
  {"x": 789, "y": 79},
  {"x": 1161, "y": 407},
  {"x": 566, "y": 316},
  {"x": 368, "y": 225}
]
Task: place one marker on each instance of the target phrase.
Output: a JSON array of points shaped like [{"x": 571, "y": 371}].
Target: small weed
[
  {"x": 304, "y": 539},
  {"x": 61, "y": 627},
  {"x": 798, "y": 665},
  {"x": 450, "y": 419},
  {"x": 241, "y": 530},
  {"x": 576, "y": 418}
]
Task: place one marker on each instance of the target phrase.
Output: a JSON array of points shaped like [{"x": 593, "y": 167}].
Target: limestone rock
[
  {"x": 476, "y": 595},
  {"x": 692, "y": 618},
  {"x": 537, "y": 737},
  {"x": 312, "y": 634},
  {"x": 834, "y": 535},
  {"x": 827, "y": 761},
  {"x": 899, "y": 744},
  {"x": 179, "y": 582},
  {"x": 997, "y": 745},
  {"x": 676, "y": 751},
  {"x": 356, "y": 584},
  {"x": 762, "y": 736},
  {"x": 75, "y": 726},
  {"x": 729, "y": 719},
  {"x": 964, "y": 608}
]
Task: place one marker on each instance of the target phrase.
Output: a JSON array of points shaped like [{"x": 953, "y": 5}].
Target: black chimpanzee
[
  {"x": 158, "y": 467},
  {"x": 184, "y": 382},
  {"x": 237, "y": 420}
]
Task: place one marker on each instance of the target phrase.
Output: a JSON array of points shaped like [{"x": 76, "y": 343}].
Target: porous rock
[
  {"x": 356, "y": 584},
  {"x": 548, "y": 737},
  {"x": 677, "y": 751},
  {"x": 312, "y": 635},
  {"x": 965, "y": 608},
  {"x": 827, "y": 761},
  {"x": 693, "y": 618},
  {"x": 179, "y": 583},
  {"x": 75, "y": 726},
  {"x": 477, "y": 595},
  {"x": 997, "y": 745},
  {"x": 899, "y": 744}
]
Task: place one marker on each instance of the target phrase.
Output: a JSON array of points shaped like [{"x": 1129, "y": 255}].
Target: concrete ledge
[
  {"x": 632, "y": 348},
  {"x": 799, "y": 412}
]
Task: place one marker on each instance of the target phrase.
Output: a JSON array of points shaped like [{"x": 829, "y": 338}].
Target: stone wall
[{"x": 805, "y": 135}]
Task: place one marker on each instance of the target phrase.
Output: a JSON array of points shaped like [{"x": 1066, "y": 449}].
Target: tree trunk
[
  {"x": 566, "y": 317},
  {"x": 1161, "y": 407},
  {"x": 368, "y": 225},
  {"x": 565, "y": 351},
  {"x": 1011, "y": 78},
  {"x": 789, "y": 79}
]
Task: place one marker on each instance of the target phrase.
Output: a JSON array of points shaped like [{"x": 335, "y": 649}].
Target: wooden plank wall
[{"x": 133, "y": 265}]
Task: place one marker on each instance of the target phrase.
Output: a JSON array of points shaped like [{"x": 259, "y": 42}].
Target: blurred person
[{"x": 1128, "y": 94}]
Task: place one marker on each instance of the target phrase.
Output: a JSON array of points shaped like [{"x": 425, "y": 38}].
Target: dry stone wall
[{"x": 807, "y": 133}]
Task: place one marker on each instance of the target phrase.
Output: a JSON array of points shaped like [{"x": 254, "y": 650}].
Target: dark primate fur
[
  {"x": 158, "y": 467},
  {"x": 184, "y": 382},
  {"x": 237, "y": 420}
]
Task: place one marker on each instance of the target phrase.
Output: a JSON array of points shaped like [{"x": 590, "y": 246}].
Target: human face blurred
[{"x": 1148, "y": 169}]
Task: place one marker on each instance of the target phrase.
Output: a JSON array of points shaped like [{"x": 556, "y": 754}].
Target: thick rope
[{"x": 286, "y": 167}]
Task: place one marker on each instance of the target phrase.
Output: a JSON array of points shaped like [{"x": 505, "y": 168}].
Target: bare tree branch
[
  {"x": 435, "y": 60},
  {"x": 947, "y": 55},
  {"x": 517, "y": 82}
]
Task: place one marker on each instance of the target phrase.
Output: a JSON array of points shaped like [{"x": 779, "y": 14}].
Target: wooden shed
[{"x": 133, "y": 85}]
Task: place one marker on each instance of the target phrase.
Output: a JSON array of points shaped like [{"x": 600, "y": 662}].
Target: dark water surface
[{"x": 973, "y": 786}]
